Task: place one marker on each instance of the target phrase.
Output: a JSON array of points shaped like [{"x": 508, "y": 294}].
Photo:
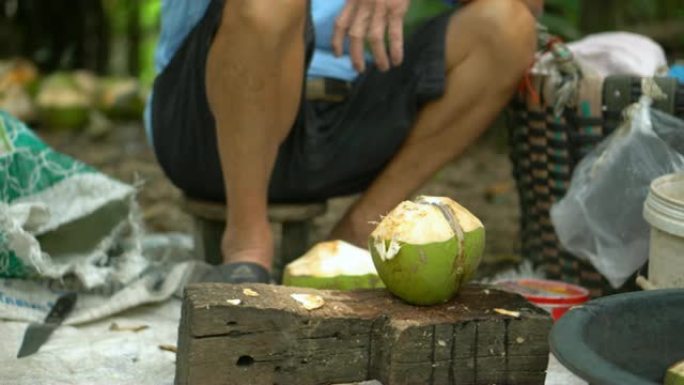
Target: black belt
[{"x": 328, "y": 90}]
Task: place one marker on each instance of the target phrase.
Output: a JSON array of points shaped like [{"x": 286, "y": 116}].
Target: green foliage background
[
  {"x": 570, "y": 19},
  {"x": 119, "y": 14}
]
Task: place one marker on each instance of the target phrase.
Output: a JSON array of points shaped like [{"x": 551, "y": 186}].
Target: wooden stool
[{"x": 295, "y": 220}]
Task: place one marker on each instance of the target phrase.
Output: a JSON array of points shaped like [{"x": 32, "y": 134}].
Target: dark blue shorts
[{"x": 334, "y": 148}]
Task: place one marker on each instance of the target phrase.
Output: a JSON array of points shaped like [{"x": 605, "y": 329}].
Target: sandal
[{"x": 238, "y": 272}]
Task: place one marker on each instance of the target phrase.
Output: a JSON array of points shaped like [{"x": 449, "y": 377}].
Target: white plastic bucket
[{"x": 664, "y": 210}]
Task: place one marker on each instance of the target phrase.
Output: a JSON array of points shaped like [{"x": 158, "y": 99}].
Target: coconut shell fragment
[
  {"x": 309, "y": 301},
  {"x": 333, "y": 265}
]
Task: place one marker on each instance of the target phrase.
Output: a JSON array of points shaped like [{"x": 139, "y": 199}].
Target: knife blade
[{"x": 38, "y": 333}]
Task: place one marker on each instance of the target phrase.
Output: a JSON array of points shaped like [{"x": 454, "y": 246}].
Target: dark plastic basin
[{"x": 625, "y": 339}]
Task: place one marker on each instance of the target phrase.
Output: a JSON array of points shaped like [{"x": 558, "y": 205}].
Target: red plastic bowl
[{"x": 553, "y": 296}]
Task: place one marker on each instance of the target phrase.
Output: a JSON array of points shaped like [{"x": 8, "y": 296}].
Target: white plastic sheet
[{"x": 94, "y": 354}]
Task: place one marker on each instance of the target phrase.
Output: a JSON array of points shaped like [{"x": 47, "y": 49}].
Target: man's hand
[{"x": 372, "y": 20}]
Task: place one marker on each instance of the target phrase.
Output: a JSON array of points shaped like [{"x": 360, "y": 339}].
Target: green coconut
[
  {"x": 333, "y": 265},
  {"x": 675, "y": 374},
  {"x": 18, "y": 82},
  {"x": 62, "y": 103},
  {"x": 426, "y": 249},
  {"x": 121, "y": 98}
]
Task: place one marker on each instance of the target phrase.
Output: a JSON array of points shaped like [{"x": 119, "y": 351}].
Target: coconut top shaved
[
  {"x": 332, "y": 259},
  {"x": 465, "y": 218},
  {"x": 414, "y": 223},
  {"x": 678, "y": 367},
  {"x": 422, "y": 222}
]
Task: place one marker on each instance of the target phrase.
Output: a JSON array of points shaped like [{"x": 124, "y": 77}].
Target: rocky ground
[{"x": 480, "y": 180}]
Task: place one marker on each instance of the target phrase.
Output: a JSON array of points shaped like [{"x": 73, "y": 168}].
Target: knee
[
  {"x": 508, "y": 29},
  {"x": 280, "y": 18}
]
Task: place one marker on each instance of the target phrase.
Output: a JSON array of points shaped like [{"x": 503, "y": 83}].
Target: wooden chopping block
[{"x": 259, "y": 334}]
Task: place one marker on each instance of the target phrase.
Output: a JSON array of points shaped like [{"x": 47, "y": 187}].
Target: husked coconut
[
  {"x": 424, "y": 250},
  {"x": 335, "y": 265},
  {"x": 62, "y": 103},
  {"x": 675, "y": 374}
]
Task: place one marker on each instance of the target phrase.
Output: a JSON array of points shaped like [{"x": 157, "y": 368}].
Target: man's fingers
[
  {"x": 357, "y": 35},
  {"x": 372, "y": 20},
  {"x": 342, "y": 25},
  {"x": 395, "y": 32},
  {"x": 376, "y": 36}
]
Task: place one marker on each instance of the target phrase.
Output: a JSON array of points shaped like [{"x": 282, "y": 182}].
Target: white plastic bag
[{"x": 600, "y": 218}]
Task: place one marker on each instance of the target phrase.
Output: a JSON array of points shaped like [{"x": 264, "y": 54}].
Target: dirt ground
[{"x": 480, "y": 180}]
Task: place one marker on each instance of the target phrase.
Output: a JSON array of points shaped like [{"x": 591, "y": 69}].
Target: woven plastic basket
[{"x": 549, "y": 136}]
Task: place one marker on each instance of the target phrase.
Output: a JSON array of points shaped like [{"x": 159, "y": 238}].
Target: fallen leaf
[
  {"x": 116, "y": 328},
  {"x": 169, "y": 348},
  {"x": 249, "y": 292},
  {"x": 510, "y": 313},
  {"x": 234, "y": 302},
  {"x": 520, "y": 340},
  {"x": 309, "y": 301}
]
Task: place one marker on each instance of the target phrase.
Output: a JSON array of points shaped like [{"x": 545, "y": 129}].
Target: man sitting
[{"x": 229, "y": 120}]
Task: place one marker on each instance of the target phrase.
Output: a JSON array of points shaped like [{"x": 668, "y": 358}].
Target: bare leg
[
  {"x": 254, "y": 77},
  {"x": 490, "y": 43}
]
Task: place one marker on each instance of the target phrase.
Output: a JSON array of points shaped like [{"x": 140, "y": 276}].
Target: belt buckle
[{"x": 327, "y": 89}]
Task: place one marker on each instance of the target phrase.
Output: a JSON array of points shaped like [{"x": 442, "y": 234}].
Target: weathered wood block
[{"x": 270, "y": 338}]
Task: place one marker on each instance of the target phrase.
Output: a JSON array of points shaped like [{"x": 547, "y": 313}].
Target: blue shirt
[
  {"x": 180, "y": 16},
  {"x": 677, "y": 72}
]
